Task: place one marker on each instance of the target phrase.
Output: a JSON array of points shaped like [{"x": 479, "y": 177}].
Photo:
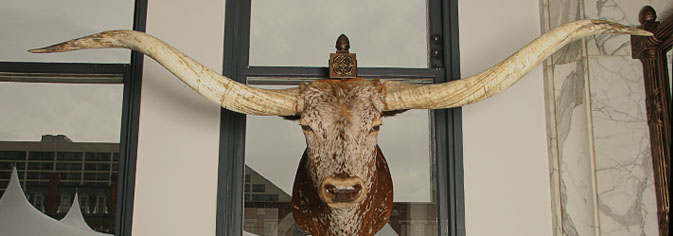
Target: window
[
  {"x": 258, "y": 188},
  {"x": 84, "y": 203},
  {"x": 65, "y": 202},
  {"x": 249, "y": 226},
  {"x": 302, "y": 56},
  {"x": 38, "y": 201},
  {"x": 98, "y": 156},
  {"x": 64, "y": 111},
  {"x": 41, "y": 156},
  {"x": 101, "y": 204},
  {"x": 75, "y": 119},
  {"x": 13, "y": 155},
  {"x": 69, "y": 156}
]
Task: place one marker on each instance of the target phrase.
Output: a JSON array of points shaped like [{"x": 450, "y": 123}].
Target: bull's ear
[
  {"x": 295, "y": 117},
  {"x": 393, "y": 112}
]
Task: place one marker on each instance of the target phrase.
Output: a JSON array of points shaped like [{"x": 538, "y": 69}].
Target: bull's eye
[
  {"x": 306, "y": 128},
  {"x": 376, "y": 128}
]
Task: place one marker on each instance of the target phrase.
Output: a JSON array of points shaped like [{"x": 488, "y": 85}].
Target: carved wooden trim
[{"x": 652, "y": 53}]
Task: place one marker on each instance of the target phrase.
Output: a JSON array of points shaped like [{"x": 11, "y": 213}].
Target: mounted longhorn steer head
[{"x": 343, "y": 186}]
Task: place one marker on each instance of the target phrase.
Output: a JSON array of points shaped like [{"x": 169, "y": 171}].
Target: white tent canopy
[
  {"x": 19, "y": 217},
  {"x": 75, "y": 218}
]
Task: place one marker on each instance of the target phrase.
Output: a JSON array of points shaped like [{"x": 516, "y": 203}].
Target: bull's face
[
  {"x": 343, "y": 185},
  {"x": 341, "y": 123}
]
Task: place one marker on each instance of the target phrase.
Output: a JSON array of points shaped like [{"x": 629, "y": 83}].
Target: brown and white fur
[{"x": 341, "y": 120}]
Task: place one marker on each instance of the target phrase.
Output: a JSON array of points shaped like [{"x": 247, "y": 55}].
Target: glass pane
[
  {"x": 28, "y": 24},
  {"x": 274, "y": 147},
  {"x": 62, "y": 139},
  {"x": 383, "y": 33}
]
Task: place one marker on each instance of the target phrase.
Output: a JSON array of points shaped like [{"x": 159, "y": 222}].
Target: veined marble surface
[
  {"x": 575, "y": 161},
  {"x": 623, "y": 12},
  {"x": 552, "y": 149},
  {"x": 570, "y": 163},
  {"x": 627, "y": 203},
  {"x": 599, "y": 155},
  {"x": 556, "y": 13}
]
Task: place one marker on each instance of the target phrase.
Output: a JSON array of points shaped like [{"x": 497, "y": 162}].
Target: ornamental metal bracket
[
  {"x": 652, "y": 53},
  {"x": 342, "y": 64}
]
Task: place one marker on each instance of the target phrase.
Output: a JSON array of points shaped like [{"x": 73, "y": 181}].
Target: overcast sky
[
  {"x": 85, "y": 113},
  {"x": 382, "y": 33},
  {"x": 388, "y": 33},
  {"x": 30, "y": 24}
]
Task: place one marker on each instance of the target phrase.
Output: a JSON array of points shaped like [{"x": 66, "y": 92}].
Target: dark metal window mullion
[
  {"x": 232, "y": 124},
  {"x": 322, "y": 72},
  {"x": 447, "y": 123},
  {"x": 78, "y": 73},
  {"x": 61, "y": 68},
  {"x": 129, "y": 132}
]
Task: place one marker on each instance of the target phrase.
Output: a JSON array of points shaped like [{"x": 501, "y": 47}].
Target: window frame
[
  {"x": 132, "y": 74},
  {"x": 446, "y": 124}
]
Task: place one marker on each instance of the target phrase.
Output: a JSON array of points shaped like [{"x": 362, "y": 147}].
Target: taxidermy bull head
[{"x": 343, "y": 186}]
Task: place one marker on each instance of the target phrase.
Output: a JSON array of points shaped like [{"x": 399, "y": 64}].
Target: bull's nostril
[
  {"x": 356, "y": 190},
  {"x": 331, "y": 188}
]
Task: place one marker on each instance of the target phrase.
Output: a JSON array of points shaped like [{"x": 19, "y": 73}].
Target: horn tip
[
  {"x": 635, "y": 31},
  {"x": 643, "y": 32},
  {"x": 623, "y": 29},
  {"x": 53, "y": 48},
  {"x": 40, "y": 50}
]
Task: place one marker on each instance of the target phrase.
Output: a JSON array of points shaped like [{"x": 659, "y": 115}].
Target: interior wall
[
  {"x": 176, "y": 179},
  {"x": 505, "y": 158}
]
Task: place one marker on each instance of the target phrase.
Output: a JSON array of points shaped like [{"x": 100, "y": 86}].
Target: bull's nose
[{"x": 342, "y": 192}]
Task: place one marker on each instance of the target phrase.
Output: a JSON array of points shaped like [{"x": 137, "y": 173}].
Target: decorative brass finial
[
  {"x": 342, "y": 64},
  {"x": 647, "y": 15},
  {"x": 343, "y": 44}
]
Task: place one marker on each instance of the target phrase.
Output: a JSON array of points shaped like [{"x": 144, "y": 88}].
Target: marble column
[{"x": 599, "y": 155}]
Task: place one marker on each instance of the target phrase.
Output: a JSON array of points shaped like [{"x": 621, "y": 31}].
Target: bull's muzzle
[{"x": 340, "y": 191}]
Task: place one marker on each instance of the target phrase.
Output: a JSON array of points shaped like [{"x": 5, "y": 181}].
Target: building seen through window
[
  {"x": 53, "y": 169},
  {"x": 63, "y": 140}
]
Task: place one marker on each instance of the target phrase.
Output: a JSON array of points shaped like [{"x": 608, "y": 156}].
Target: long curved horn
[
  {"x": 213, "y": 86},
  {"x": 400, "y": 95}
]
